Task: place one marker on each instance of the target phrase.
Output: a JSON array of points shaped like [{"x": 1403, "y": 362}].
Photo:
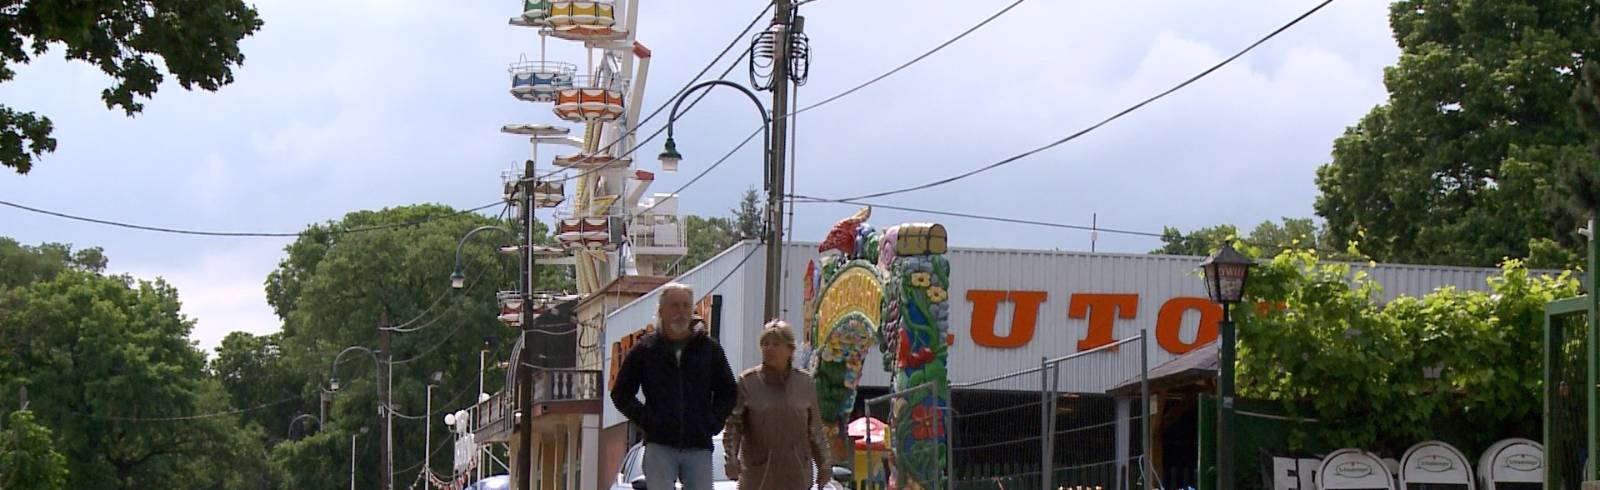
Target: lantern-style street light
[{"x": 1225, "y": 273}]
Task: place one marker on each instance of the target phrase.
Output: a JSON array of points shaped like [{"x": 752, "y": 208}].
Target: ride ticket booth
[
  {"x": 1434, "y": 465},
  {"x": 1512, "y": 464},
  {"x": 1354, "y": 469}
]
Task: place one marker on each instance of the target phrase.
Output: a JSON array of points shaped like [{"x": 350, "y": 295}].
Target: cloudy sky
[{"x": 362, "y": 104}]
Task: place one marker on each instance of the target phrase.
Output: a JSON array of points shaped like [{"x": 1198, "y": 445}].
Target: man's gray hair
[{"x": 676, "y": 286}]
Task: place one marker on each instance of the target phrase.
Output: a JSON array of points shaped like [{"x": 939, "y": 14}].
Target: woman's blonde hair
[{"x": 777, "y": 330}]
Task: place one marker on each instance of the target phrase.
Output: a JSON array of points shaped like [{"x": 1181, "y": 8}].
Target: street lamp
[
  {"x": 333, "y": 375},
  {"x": 296, "y": 420},
  {"x": 427, "y": 437},
  {"x": 457, "y": 279},
  {"x": 1225, "y": 275},
  {"x": 669, "y": 162}
]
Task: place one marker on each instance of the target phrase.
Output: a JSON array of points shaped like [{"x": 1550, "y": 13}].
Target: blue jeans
[{"x": 664, "y": 465}]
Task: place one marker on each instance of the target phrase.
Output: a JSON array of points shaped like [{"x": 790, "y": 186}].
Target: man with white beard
[{"x": 689, "y": 392}]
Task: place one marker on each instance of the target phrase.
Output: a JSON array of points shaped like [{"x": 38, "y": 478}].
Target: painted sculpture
[{"x": 888, "y": 290}]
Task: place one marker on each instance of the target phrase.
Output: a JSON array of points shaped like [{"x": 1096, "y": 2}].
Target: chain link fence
[{"x": 1050, "y": 427}]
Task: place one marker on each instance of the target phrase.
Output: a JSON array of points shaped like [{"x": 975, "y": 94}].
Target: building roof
[
  {"x": 634, "y": 285},
  {"x": 1200, "y": 363}
]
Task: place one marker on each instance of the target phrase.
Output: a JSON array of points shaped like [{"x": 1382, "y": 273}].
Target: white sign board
[
  {"x": 1353, "y": 469},
  {"x": 1511, "y": 461},
  {"x": 1435, "y": 463}
]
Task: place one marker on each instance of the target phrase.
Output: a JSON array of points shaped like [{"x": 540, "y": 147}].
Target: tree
[
  {"x": 747, "y": 218},
  {"x": 25, "y": 264},
  {"x": 334, "y": 288},
  {"x": 1580, "y": 179},
  {"x": 1454, "y": 168},
  {"x": 109, "y": 366},
  {"x": 28, "y": 458},
  {"x": 1332, "y": 352},
  {"x": 1268, "y": 238},
  {"x": 197, "y": 40},
  {"x": 707, "y": 238},
  {"x": 252, "y": 371}
]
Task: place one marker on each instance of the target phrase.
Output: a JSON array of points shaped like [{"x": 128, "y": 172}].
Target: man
[{"x": 689, "y": 392}]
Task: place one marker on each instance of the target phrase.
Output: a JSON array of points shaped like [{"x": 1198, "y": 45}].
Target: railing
[
  {"x": 491, "y": 419},
  {"x": 564, "y": 385},
  {"x": 646, "y": 233}
]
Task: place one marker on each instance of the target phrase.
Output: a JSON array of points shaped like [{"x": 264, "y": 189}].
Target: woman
[{"x": 774, "y": 439}]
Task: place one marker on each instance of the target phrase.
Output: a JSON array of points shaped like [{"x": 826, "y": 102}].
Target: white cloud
[{"x": 221, "y": 288}]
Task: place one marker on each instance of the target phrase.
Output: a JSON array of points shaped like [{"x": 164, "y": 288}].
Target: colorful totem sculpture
[{"x": 889, "y": 290}]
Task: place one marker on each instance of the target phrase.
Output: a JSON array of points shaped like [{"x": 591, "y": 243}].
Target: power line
[
  {"x": 185, "y": 417},
  {"x": 1114, "y": 117},
  {"x": 181, "y": 231},
  {"x": 838, "y": 96},
  {"x": 668, "y": 103},
  {"x": 405, "y": 327},
  {"x": 818, "y": 200},
  {"x": 913, "y": 61}
]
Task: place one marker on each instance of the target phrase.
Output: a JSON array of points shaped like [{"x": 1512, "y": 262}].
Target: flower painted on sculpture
[
  {"x": 937, "y": 294},
  {"x": 921, "y": 279},
  {"x": 925, "y": 423}
]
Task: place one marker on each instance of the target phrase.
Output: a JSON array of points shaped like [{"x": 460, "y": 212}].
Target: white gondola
[{"x": 540, "y": 81}]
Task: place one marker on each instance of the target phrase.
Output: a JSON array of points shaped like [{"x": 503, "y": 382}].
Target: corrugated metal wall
[{"x": 1154, "y": 278}]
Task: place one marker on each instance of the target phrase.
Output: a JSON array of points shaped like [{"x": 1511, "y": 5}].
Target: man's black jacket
[{"x": 686, "y": 402}]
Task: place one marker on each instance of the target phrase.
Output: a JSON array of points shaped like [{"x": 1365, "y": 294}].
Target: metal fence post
[
  {"x": 949, "y": 436},
  {"x": 1144, "y": 409},
  {"x": 1050, "y": 430},
  {"x": 1044, "y": 423}
]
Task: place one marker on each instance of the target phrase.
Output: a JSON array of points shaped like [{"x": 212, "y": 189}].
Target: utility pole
[
  {"x": 385, "y": 407},
  {"x": 524, "y": 393},
  {"x": 781, "y": 20}
]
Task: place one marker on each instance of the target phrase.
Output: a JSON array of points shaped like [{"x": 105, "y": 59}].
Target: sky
[{"x": 365, "y": 104}]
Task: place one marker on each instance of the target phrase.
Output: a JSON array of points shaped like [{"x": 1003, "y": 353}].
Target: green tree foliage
[
  {"x": 28, "y": 458},
  {"x": 1580, "y": 179},
  {"x": 24, "y": 264},
  {"x": 707, "y": 238},
  {"x": 1456, "y": 167},
  {"x": 331, "y": 291},
  {"x": 1334, "y": 353},
  {"x": 747, "y": 218},
  {"x": 1268, "y": 238},
  {"x": 100, "y": 357},
  {"x": 251, "y": 369},
  {"x": 197, "y": 40}
]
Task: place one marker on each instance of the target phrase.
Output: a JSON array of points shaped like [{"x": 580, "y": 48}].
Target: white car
[{"x": 631, "y": 475}]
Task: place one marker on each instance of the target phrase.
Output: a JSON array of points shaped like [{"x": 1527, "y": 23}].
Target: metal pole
[
  {"x": 524, "y": 428},
  {"x": 386, "y": 410},
  {"x": 774, "y": 236},
  {"x": 353, "y": 461},
  {"x": 782, "y": 15},
  {"x": 1044, "y": 423},
  {"x": 1050, "y": 431},
  {"x": 1144, "y": 408},
  {"x": 1592, "y": 438},
  {"x": 427, "y": 434},
  {"x": 1225, "y": 404}
]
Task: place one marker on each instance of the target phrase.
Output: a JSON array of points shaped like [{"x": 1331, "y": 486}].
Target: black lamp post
[
  {"x": 670, "y": 158},
  {"x": 1225, "y": 275}
]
